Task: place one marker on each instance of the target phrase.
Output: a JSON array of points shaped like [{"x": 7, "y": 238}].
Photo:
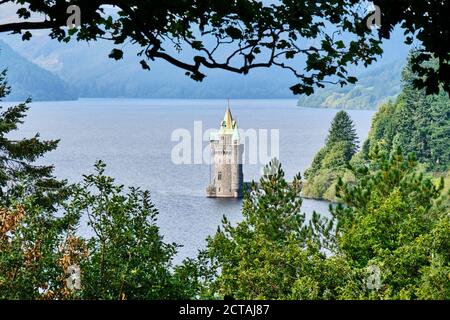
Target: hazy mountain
[
  {"x": 373, "y": 88},
  {"x": 29, "y": 80},
  {"x": 88, "y": 69}
]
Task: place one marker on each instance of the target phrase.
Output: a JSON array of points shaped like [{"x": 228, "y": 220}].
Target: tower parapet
[{"x": 226, "y": 152}]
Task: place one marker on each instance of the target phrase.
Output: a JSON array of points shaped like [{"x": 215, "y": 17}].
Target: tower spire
[{"x": 228, "y": 118}]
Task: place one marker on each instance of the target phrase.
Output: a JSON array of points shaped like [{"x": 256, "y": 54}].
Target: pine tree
[
  {"x": 253, "y": 255},
  {"x": 19, "y": 176},
  {"x": 333, "y": 159},
  {"x": 343, "y": 130}
]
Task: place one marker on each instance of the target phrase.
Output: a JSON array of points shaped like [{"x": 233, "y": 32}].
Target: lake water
[{"x": 134, "y": 138}]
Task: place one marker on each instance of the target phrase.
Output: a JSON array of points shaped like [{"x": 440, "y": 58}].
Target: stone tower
[{"x": 226, "y": 153}]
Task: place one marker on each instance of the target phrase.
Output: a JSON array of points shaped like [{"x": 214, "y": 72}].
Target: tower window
[{"x": 219, "y": 176}]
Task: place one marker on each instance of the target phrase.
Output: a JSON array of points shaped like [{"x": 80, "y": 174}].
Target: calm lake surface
[{"x": 134, "y": 138}]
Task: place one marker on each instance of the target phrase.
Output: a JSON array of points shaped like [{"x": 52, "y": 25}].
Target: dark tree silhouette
[{"x": 315, "y": 40}]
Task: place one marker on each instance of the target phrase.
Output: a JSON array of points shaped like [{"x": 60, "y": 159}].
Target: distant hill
[
  {"x": 29, "y": 80},
  {"x": 372, "y": 89}
]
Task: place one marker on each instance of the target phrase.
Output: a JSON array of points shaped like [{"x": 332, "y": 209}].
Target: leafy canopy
[
  {"x": 239, "y": 36},
  {"x": 128, "y": 258}
]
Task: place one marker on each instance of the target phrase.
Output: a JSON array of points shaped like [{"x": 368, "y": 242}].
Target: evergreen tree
[
  {"x": 19, "y": 176},
  {"x": 252, "y": 256},
  {"x": 393, "y": 219},
  {"x": 343, "y": 130},
  {"x": 332, "y": 160}
]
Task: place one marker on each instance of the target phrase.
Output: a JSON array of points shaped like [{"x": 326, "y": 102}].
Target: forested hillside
[
  {"x": 415, "y": 122},
  {"x": 29, "y": 80},
  {"x": 373, "y": 88}
]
